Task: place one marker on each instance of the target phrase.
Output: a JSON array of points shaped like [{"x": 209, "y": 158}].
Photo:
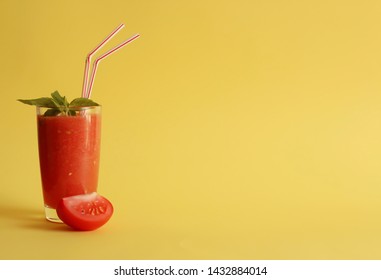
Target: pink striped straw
[
  {"x": 89, "y": 56},
  {"x": 96, "y": 62}
]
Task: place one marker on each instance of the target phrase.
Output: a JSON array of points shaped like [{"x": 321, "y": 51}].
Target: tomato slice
[{"x": 85, "y": 211}]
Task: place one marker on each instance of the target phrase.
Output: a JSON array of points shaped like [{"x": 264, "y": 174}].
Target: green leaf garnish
[
  {"x": 42, "y": 102},
  {"x": 71, "y": 113},
  {"x": 52, "y": 112},
  {"x": 58, "y": 99},
  {"x": 82, "y": 102},
  {"x": 59, "y": 105}
]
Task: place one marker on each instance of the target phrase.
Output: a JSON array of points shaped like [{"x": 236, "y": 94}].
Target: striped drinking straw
[{"x": 89, "y": 81}]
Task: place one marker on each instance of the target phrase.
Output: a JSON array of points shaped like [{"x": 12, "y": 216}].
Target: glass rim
[
  {"x": 67, "y": 111},
  {"x": 76, "y": 108}
]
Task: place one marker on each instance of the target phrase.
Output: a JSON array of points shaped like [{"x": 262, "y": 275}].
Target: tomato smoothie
[{"x": 69, "y": 150}]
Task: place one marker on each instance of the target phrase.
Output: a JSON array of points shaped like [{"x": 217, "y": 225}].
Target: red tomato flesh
[{"x": 85, "y": 211}]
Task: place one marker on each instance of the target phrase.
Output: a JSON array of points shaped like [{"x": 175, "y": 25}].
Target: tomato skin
[{"x": 85, "y": 212}]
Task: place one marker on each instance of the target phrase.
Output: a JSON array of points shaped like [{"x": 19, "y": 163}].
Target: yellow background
[{"x": 231, "y": 129}]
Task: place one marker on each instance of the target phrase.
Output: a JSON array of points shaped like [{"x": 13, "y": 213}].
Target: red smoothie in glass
[{"x": 69, "y": 149}]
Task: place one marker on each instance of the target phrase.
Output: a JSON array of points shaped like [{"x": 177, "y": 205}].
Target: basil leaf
[
  {"x": 72, "y": 113},
  {"x": 52, "y": 112},
  {"x": 58, "y": 99},
  {"x": 41, "y": 102},
  {"x": 82, "y": 102}
]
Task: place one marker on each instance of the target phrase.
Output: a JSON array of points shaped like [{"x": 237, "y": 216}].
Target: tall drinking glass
[{"x": 69, "y": 151}]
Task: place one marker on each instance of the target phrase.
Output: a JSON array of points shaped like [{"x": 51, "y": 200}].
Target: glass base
[{"x": 51, "y": 215}]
